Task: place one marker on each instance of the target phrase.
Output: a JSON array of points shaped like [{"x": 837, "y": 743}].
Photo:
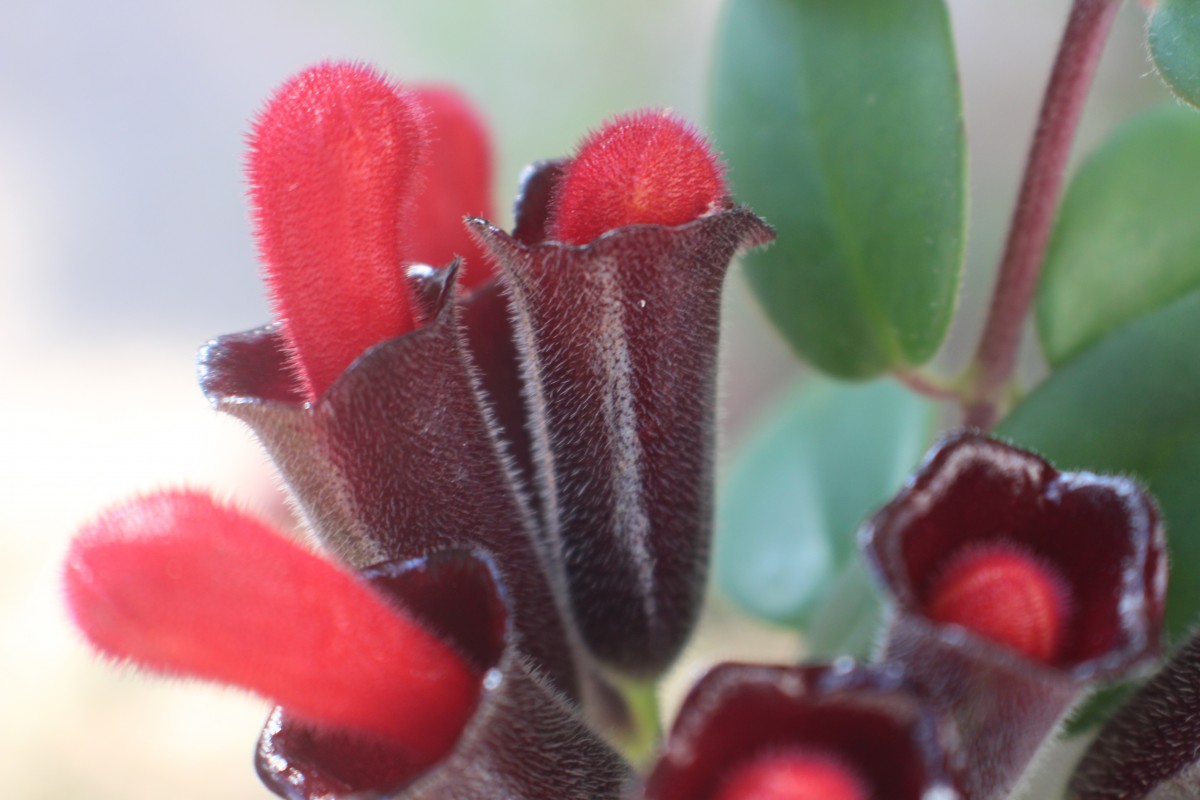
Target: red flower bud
[
  {"x": 332, "y": 166},
  {"x": 400, "y": 457},
  {"x": 1015, "y": 587},
  {"x": 181, "y": 585},
  {"x": 456, "y": 182},
  {"x": 1003, "y": 593},
  {"x": 793, "y": 774},
  {"x": 647, "y": 167}
]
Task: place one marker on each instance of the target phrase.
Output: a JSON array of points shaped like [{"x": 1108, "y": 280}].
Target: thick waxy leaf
[
  {"x": 1126, "y": 240},
  {"x": 1175, "y": 46},
  {"x": 842, "y": 125},
  {"x": 799, "y": 489},
  {"x": 1130, "y": 404}
]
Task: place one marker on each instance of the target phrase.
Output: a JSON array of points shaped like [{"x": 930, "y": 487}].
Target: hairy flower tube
[
  {"x": 1006, "y": 595},
  {"x": 837, "y": 732},
  {"x": 1150, "y": 748},
  {"x": 1015, "y": 587},
  {"x": 619, "y": 337},
  {"x": 332, "y": 167},
  {"x": 643, "y": 168}
]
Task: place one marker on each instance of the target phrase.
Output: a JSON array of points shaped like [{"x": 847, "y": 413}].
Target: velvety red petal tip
[
  {"x": 795, "y": 774},
  {"x": 1005, "y": 594},
  {"x": 648, "y": 167},
  {"x": 180, "y": 584},
  {"x": 332, "y": 167},
  {"x": 822, "y": 732},
  {"x": 456, "y": 182}
]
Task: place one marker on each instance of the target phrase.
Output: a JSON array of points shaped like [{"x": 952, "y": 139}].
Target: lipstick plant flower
[
  {"x": 391, "y": 395},
  {"x": 1033, "y": 582},
  {"x": 501, "y": 443}
]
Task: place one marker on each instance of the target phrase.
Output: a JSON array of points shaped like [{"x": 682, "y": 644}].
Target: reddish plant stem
[
  {"x": 1062, "y": 106},
  {"x": 927, "y": 385}
]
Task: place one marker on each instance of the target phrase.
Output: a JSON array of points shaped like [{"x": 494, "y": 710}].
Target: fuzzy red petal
[
  {"x": 1005, "y": 594},
  {"x": 793, "y": 774},
  {"x": 332, "y": 167},
  {"x": 182, "y": 585},
  {"x": 647, "y": 167},
  {"x": 456, "y": 183}
]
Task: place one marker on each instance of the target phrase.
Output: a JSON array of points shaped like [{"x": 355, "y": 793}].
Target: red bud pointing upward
[
  {"x": 181, "y": 585},
  {"x": 794, "y": 775},
  {"x": 645, "y": 167},
  {"x": 332, "y": 163},
  {"x": 1006, "y": 595},
  {"x": 456, "y": 183}
]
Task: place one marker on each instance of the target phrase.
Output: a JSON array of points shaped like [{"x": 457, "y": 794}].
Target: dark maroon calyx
[
  {"x": 1015, "y": 586},
  {"x": 845, "y": 726},
  {"x": 1098, "y": 539},
  {"x": 401, "y": 456},
  {"x": 619, "y": 339}
]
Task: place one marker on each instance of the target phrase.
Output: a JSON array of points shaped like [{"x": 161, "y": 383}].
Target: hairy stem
[{"x": 1062, "y": 106}]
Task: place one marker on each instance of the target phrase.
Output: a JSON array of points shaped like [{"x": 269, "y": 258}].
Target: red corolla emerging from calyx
[
  {"x": 1015, "y": 586},
  {"x": 352, "y": 178},
  {"x": 389, "y": 393},
  {"x": 181, "y": 584}
]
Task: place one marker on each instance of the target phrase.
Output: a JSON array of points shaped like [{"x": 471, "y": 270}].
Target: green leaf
[
  {"x": 1131, "y": 404},
  {"x": 842, "y": 125},
  {"x": 1098, "y": 707},
  {"x": 847, "y": 620},
  {"x": 797, "y": 492},
  {"x": 1127, "y": 238},
  {"x": 1175, "y": 46}
]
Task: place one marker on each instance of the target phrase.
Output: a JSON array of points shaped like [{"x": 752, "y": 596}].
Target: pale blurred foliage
[{"x": 124, "y": 245}]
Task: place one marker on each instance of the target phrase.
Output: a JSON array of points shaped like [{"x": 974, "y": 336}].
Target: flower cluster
[{"x": 503, "y": 444}]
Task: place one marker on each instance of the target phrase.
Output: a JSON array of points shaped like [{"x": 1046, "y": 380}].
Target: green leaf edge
[
  {"x": 795, "y": 407},
  {"x": 1055, "y": 351},
  {"x": 886, "y": 352},
  {"x": 1158, "y": 36}
]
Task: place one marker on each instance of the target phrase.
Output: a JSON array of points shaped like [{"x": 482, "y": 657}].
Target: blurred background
[{"x": 124, "y": 245}]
